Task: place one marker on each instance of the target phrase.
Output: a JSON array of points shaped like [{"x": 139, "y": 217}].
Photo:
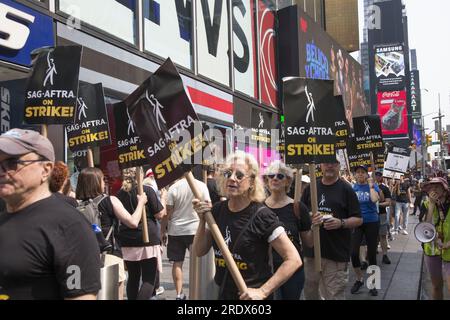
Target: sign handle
[
  {"x": 347, "y": 162},
  {"x": 298, "y": 186},
  {"x": 140, "y": 186},
  {"x": 217, "y": 235},
  {"x": 315, "y": 209},
  {"x": 44, "y": 130},
  {"x": 90, "y": 158},
  {"x": 372, "y": 163}
]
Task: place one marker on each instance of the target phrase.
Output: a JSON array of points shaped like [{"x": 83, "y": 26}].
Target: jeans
[
  {"x": 291, "y": 289},
  {"x": 403, "y": 207}
]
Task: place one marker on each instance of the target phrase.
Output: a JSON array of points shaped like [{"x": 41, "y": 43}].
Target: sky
[{"x": 429, "y": 34}]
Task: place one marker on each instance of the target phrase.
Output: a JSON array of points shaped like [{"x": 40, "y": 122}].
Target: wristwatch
[{"x": 342, "y": 223}]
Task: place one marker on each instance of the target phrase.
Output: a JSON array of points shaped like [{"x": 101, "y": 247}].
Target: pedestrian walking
[
  {"x": 384, "y": 220},
  {"x": 296, "y": 220},
  {"x": 338, "y": 201},
  {"x": 249, "y": 228},
  {"x": 402, "y": 191}
]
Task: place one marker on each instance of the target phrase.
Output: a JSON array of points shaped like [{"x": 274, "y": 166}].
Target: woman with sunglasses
[
  {"x": 248, "y": 228},
  {"x": 297, "y": 222}
]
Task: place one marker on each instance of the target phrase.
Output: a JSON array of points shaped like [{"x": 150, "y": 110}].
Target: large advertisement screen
[
  {"x": 267, "y": 53},
  {"x": 116, "y": 17},
  {"x": 168, "y": 30},
  {"x": 416, "y": 104},
  {"x": 212, "y": 40},
  {"x": 390, "y": 67},
  {"x": 393, "y": 113},
  {"x": 245, "y": 68},
  {"x": 323, "y": 58}
]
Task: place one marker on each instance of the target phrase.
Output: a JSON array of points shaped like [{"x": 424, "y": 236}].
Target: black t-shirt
[
  {"x": 293, "y": 226},
  {"x": 387, "y": 194},
  {"x": 73, "y": 202},
  {"x": 252, "y": 251},
  {"x": 340, "y": 201},
  {"x": 133, "y": 237},
  {"x": 44, "y": 248},
  {"x": 402, "y": 195},
  {"x": 213, "y": 191}
]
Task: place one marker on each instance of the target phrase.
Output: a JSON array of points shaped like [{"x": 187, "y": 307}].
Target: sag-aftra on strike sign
[{"x": 310, "y": 113}]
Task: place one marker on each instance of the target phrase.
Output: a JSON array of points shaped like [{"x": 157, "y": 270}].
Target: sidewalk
[{"x": 399, "y": 280}]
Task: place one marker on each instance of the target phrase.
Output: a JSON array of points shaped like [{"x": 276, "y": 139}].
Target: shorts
[
  {"x": 111, "y": 260},
  {"x": 177, "y": 246},
  {"x": 384, "y": 225},
  {"x": 436, "y": 267}
]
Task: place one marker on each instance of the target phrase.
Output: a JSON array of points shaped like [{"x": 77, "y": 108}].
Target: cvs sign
[{"x": 22, "y": 30}]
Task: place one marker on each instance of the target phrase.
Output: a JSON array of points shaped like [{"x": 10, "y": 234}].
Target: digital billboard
[
  {"x": 393, "y": 111},
  {"x": 390, "y": 67},
  {"x": 308, "y": 51}
]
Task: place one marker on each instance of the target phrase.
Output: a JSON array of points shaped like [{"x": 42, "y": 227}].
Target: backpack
[{"x": 89, "y": 209}]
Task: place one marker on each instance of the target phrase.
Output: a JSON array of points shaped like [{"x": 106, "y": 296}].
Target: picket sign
[{"x": 140, "y": 188}]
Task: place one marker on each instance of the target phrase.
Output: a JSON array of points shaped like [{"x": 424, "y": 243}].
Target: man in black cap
[
  {"x": 339, "y": 213},
  {"x": 48, "y": 249}
]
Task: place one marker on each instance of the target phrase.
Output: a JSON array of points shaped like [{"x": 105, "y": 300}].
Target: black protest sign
[
  {"x": 398, "y": 160},
  {"x": 261, "y": 124},
  {"x": 91, "y": 122},
  {"x": 170, "y": 132},
  {"x": 130, "y": 153},
  {"x": 341, "y": 124},
  {"x": 52, "y": 89},
  {"x": 357, "y": 157},
  {"x": 310, "y": 115},
  {"x": 368, "y": 134}
]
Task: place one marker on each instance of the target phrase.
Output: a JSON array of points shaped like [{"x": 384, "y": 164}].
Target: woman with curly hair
[{"x": 60, "y": 184}]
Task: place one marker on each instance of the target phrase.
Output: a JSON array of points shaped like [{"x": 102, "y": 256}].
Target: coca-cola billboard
[{"x": 393, "y": 111}]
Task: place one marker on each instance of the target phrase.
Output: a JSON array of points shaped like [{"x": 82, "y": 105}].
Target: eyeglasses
[
  {"x": 12, "y": 164},
  {"x": 238, "y": 174},
  {"x": 279, "y": 176}
]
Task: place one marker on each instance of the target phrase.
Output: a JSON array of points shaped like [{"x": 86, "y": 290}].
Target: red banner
[{"x": 393, "y": 112}]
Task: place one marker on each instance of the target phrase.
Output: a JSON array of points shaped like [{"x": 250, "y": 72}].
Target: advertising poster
[
  {"x": 390, "y": 67},
  {"x": 416, "y": 100},
  {"x": 261, "y": 127},
  {"x": 245, "y": 67},
  {"x": 310, "y": 123},
  {"x": 212, "y": 40},
  {"x": 52, "y": 89},
  {"x": 170, "y": 131},
  {"x": 308, "y": 51},
  {"x": 91, "y": 127},
  {"x": 268, "y": 77},
  {"x": 368, "y": 135},
  {"x": 393, "y": 111},
  {"x": 168, "y": 30}
]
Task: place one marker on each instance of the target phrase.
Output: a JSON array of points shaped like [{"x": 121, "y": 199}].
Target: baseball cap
[
  {"x": 18, "y": 142},
  {"x": 437, "y": 180},
  {"x": 378, "y": 173}
]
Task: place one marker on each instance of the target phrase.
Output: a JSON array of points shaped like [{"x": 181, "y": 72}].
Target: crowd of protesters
[{"x": 46, "y": 242}]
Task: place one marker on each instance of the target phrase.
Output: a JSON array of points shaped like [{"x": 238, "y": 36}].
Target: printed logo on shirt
[
  {"x": 322, "y": 201},
  {"x": 227, "y": 237},
  {"x": 363, "y": 196}
]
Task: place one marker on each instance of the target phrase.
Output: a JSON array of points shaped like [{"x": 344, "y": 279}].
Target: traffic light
[{"x": 429, "y": 140}]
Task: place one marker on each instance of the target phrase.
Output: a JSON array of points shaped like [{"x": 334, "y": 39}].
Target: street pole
[
  {"x": 441, "y": 142},
  {"x": 423, "y": 142}
]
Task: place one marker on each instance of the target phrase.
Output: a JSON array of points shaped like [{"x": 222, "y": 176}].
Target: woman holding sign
[
  {"x": 368, "y": 195},
  {"x": 248, "y": 228},
  {"x": 296, "y": 220}
]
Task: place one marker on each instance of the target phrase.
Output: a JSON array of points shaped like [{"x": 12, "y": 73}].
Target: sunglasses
[
  {"x": 238, "y": 174},
  {"x": 279, "y": 176},
  {"x": 12, "y": 164}
]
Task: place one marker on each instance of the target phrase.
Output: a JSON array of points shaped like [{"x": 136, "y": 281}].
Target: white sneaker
[
  {"x": 403, "y": 231},
  {"x": 160, "y": 291},
  {"x": 394, "y": 233},
  {"x": 389, "y": 247}
]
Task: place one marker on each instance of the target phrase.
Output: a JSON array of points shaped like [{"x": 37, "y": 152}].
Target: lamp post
[{"x": 424, "y": 149}]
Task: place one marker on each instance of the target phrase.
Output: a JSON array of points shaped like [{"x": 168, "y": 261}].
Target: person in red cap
[
  {"x": 48, "y": 249},
  {"x": 437, "y": 253}
]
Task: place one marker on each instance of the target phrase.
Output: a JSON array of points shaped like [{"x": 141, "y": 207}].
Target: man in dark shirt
[
  {"x": 336, "y": 198},
  {"x": 48, "y": 249}
]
